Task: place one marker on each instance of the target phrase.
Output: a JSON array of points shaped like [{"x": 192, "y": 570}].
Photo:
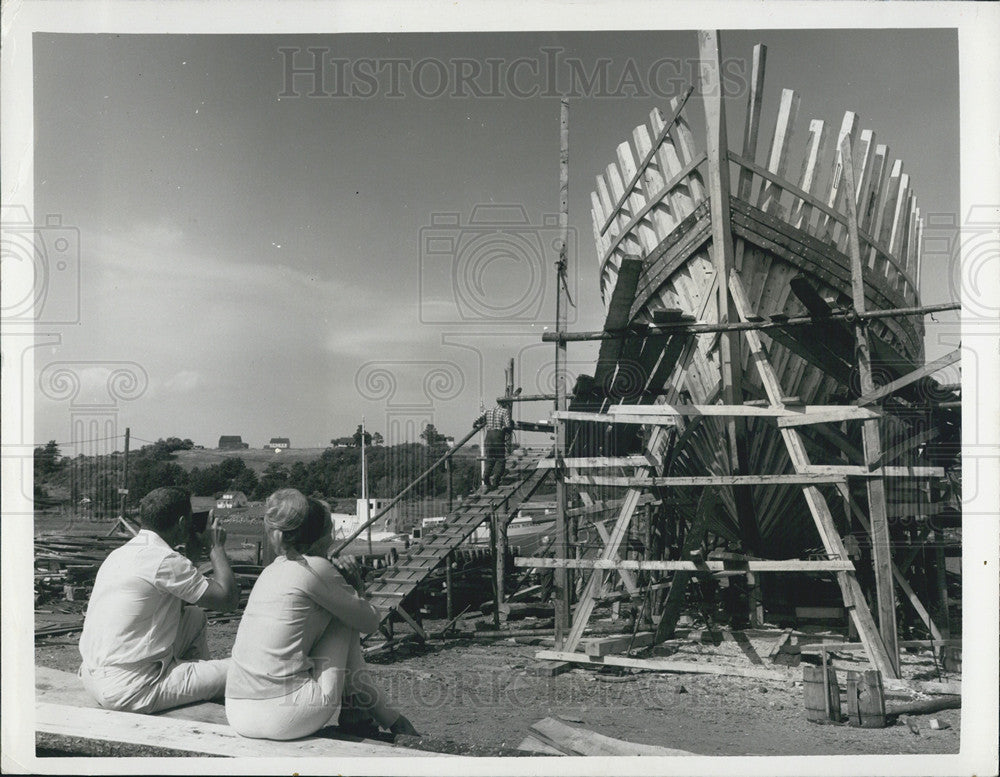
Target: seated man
[{"x": 143, "y": 645}]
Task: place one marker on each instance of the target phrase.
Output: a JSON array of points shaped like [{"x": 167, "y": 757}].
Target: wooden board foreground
[{"x": 63, "y": 707}]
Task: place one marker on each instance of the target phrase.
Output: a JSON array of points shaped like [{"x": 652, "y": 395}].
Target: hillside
[{"x": 256, "y": 459}]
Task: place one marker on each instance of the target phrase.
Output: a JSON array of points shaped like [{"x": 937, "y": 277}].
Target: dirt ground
[{"x": 478, "y": 695}]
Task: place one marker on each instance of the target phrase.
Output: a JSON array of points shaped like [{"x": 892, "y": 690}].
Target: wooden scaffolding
[{"x": 652, "y": 391}]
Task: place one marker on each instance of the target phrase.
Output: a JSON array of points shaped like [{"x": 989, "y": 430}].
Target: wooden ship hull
[{"x": 654, "y": 237}]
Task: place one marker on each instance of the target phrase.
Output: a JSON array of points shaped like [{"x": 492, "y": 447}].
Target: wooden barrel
[
  {"x": 814, "y": 692},
  {"x": 865, "y": 699}
]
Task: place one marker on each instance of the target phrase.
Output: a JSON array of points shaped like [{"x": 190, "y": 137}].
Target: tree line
[{"x": 335, "y": 474}]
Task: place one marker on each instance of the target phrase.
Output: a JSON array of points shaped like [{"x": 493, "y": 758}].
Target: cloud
[{"x": 183, "y": 382}]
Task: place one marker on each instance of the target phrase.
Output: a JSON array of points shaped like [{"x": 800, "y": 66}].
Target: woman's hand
[{"x": 350, "y": 569}]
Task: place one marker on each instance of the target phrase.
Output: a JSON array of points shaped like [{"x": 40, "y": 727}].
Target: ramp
[{"x": 520, "y": 481}]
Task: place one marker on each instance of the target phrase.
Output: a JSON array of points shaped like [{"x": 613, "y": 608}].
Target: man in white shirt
[{"x": 143, "y": 645}]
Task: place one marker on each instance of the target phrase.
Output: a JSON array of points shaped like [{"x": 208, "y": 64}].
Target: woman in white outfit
[{"x": 298, "y": 652}]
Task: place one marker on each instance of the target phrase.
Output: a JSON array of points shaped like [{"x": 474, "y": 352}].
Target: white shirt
[
  {"x": 290, "y": 606},
  {"x": 135, "y": 610}
]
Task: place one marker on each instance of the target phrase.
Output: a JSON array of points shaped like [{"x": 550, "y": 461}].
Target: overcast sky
[{"x": 270, "y": 261}]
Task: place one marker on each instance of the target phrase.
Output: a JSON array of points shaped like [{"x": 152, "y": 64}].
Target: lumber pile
[
  {"x": 551, "y": 736},
  {"x": 65, "y": 566}
]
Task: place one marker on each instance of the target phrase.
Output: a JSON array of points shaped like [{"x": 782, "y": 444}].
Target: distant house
[
  {"x": 232, "y": 442},
  {"x": 278, "y": 444},
  {"x": 231, "y": 500},
  {"x": 342, "y": 442}
]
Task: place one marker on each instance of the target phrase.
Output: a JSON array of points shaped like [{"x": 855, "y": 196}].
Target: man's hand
[
  {"x": 350, "y": 569},
  {"x": 214, "y": 535}
]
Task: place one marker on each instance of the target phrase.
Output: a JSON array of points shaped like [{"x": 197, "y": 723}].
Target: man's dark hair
[
  {"x": 310, "y": 530},
  {"x": 160, "y": 509}
]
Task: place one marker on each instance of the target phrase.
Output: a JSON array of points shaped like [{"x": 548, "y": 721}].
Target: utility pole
[{"x": 124, "y": 487}]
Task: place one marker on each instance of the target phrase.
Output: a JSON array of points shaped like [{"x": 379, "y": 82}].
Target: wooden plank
[
  {"x": 663, "y": 665},
  {"x": 802, "y": 212},
  {"x": 709, "y": 480},
  {"x": 628, "y": 580},
  {"x": 788, "y": 110},
  {"x": 826, "y": 416},
  {"x": 751, "y": 125},
  {"x": 582, "y": 742},
  {"x": 859, "y": 471},
  {"x": 868, "y": 210},
  {"x": 723, "y": 260},
  {"x": 803, "y": 251},
  {"x": 585, "y": 606},
  {"x": 870, "y": 437},
  {"x": 598, "y": 462},
  {"x": 891, "y": 388},
  {"x": 629, "y": 224},
  {"x": 848, "y": 129},
  {"x": 198, "y": 736},
  {"x": 661, "y": 134},
  {"x": 602, "y": 646},
  {"x": 826, "y": 526},
  {"x": 532, "y": 744},
  {"x": 750, "y": 565}
]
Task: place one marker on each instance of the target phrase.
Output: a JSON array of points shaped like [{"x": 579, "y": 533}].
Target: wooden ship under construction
[
  {"x": 763, "y": 353},
  {"x": 760, "y": 407}
]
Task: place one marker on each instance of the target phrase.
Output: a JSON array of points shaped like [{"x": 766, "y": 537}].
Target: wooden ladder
[{"x": 521, "y": 480}]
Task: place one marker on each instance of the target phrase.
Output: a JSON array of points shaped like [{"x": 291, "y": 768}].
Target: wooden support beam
[
  {"x": 749, "y": 565},
  {"x": 584, "y": 608},
  {"x": 850, "y": 589},
  {"x": 871, "y": 440},
  {"x": 842, "y": 413},
  {"x": 723, "y": 259},
  {"x": 598, "y": 462},
  {"x": 794, "y": 415},
  {"x": 891, "y": 388},
  {"x": 664, "y": 665},
  {"x": 797, "y": 478},
  {"x": 891, "y": 454},
  {"x": 410, "y": 620},
  {"x": 627, "y": 578},
  {"x": 561, "y": 593},
  {"x": 897, "y": 573},
  {"x": 858, "y": 471}
]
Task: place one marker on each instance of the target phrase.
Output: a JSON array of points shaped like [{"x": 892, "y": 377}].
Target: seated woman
[{"x": 298, "y": 652}]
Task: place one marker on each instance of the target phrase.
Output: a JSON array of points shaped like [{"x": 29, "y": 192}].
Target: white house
[{"x": 231, "y": 500}]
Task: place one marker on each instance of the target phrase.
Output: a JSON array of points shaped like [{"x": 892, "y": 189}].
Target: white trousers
[
  {"x": 339, "y": 671},
  {"x": 185, "y": 677}
]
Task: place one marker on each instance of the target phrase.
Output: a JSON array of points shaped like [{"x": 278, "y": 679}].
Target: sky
[{"x": 262, "y": 260}]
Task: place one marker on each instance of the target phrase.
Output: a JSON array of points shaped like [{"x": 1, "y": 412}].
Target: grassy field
[{"x": 256, "y": 459}]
